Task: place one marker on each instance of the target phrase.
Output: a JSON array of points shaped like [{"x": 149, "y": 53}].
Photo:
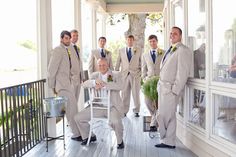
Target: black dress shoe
[
  {"x": 121, "y": 145},
  {"x": 125, "y": 114},
  {"x": 136, "y": 115},
  {"x": 93, "y": 139},
  {"x": 79, "y": 138},
  {"x": 153, "y": 128},
  {"x": 162, "y": 145}
]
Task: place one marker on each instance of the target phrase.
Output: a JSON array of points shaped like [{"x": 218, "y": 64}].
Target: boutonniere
[
  {"x": 106, "y": 52},
  {"x": 69, "y": 53},
  {"x": 173, "y": 49},
  {"x": 109, "y": 78},
  {"x": 159, "y": 52},
  {"x": 135, "y": 51}
]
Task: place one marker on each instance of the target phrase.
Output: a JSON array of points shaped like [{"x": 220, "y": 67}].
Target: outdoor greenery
[
  {"x": 149, "y": 88},
  {"x": 114, "y": 47},
  {"x": 28, "y": 44},
  {"x": 152, "y": 19}
]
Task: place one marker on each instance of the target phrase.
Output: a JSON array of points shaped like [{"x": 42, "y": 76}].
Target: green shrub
[{"x": 149, "y": 88}]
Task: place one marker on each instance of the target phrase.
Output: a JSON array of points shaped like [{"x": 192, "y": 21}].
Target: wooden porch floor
[{"x": 137, "y": 143}]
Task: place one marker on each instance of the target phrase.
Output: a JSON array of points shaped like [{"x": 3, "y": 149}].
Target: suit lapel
[
  {"x": 125, "y": 55},
  {"x": 133, "y": 55}
]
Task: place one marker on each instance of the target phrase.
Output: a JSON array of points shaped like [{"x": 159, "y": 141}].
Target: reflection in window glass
[
  {"x": 224, "y": 41},
  {"x": 180, "y": 106},
  {"x": 18, "y": 42},
  {"x": 197, "y": 107},
  {"x": 225, "y": 117},
  {"x": 196, "y": 35}
]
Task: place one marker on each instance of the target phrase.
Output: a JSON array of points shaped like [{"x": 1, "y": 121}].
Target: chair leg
[{"x": 90, "y": 134}]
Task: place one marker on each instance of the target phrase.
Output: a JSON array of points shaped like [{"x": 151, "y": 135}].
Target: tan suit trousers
[
  {"x": 166, "y": 115},
  {"x": 77, "y": 91},
  {"x": 71, "y": 111},
  {"x": 152, "y": 109},
  {"x": 83, "y": 117},
  {"x": 131, "y": 84}
]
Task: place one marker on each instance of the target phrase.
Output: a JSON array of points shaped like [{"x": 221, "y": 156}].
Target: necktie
[
  {"x": 76, "y": 50},
  {"x": 129, "y": 54},
  {"x": 153, "y": 56},
  {"x": 68, "y": 52},
  {"x": 167, "y": 52},
  {"x": 102, "y": 53}
]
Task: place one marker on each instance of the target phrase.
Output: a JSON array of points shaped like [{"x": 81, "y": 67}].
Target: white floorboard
[{"x": 137, "y": 143}]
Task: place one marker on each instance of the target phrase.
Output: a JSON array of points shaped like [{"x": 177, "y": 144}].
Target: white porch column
[
  {"x": 77, "y": 20},
  {"x": 44, "y": 41},
  {"x": 104, "y": 18},
  {"x": 94, "y": 25},
  {"x": 78, "y": 26}
]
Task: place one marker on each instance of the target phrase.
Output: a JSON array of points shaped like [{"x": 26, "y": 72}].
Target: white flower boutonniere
[
  {"x": 159, "y": 51},
  {"x": 135, "y": 51},
  {"x": 173, "y": 49},
  {"x": 109, "y": 78},
  {"x": 69, "y": 53},
  {"x": 106, "y": 52}
]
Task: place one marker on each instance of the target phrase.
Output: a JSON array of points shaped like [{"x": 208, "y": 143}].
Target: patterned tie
[
  {"x": 76, "y": 50},
  {"x": 102, "y": 53},
  {"x": 153, "y": 56},
  {"x": 129, "y": 54},
  {"x": 68, "y": 52},
  {"x": 167, "y": 52}
]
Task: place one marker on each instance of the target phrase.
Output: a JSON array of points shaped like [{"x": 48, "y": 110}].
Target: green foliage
[
  {"x": 114, "y": 46},
  {"x": 28, "y": 44},
  {"x": 113, "y": 19},
  {"x": 149, "y": 88},
  {"x": 156, "y": 18}
]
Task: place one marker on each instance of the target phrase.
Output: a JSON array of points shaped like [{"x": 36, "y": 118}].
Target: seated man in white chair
[{"x": 112, "y": 81}]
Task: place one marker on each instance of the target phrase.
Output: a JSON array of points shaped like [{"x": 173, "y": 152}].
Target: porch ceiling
[
  {"x": 132, "y": 1},
  {"x": 133, "y": 6}
]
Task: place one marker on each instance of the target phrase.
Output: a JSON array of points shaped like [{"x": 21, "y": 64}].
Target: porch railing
[{"x": 21, "y": 118}]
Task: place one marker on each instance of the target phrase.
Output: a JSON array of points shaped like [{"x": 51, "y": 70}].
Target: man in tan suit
[
  {"x": 101, "y": 52},
  {"x": 175, "y": 70},
  {"x": 59, "y": 79},
  {"x": 77, "y": 76},
  {"x": 151, "y": 67},
  {"x": 129, "y": 59},
  {"x": 100, "y": 80}
]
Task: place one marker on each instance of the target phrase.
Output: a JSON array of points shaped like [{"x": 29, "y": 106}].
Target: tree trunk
[{"x": 137, "y": 24}]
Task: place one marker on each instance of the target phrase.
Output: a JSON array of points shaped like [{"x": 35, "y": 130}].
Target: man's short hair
[
  {"x": 130, "y": 36},
  {"x": 102, "y": 38},
  {"x": 180, "y": 30},
  {"x": 152, "y": 37},
  {"x": 63, "y": 33},
  {"x": 102, "y": 59},
  {"x": 73, "y": 31}
]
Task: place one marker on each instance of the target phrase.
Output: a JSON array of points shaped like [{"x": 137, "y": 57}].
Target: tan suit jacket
[
  {"x": 115, "y": 86},
  {"x": 175, "y": 70},
  {"x": 77, "y": 75},
  {"x": 77, "y": 67},
  {"x": 59, "y": 77},
  {"x": 94, "y": 56},
  {"x": 131, "y": 74},
  {"x": 133, "y": 67},
  {"x": 149, "y": 68},
  {"x": 59, "y": 69},
  {"x": 83, "y": 117}
]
